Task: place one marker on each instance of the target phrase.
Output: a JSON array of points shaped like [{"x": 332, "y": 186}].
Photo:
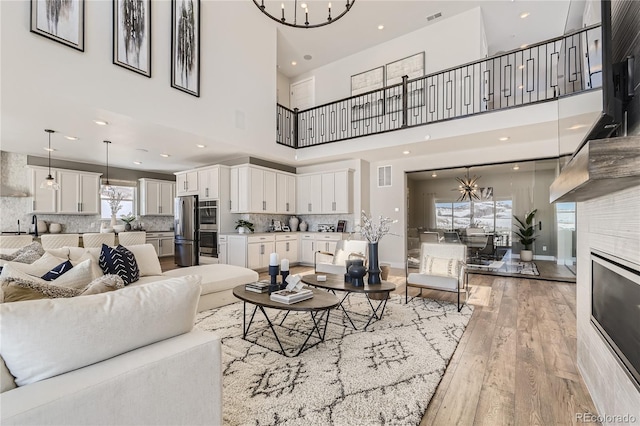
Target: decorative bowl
[
  {"x": 118, "y": 228},
  {"x": 106, "y": 230}
]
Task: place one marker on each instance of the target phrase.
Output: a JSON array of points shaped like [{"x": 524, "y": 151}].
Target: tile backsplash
[{"x": 261, "y": 222}]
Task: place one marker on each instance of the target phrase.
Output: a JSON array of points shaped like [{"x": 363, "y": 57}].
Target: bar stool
[
  {"x": 54, "y": 241},
  {"x": 15, "y": 241},
  {"x": 97, "y": 240},
  {"x": 132, "y": 238}
]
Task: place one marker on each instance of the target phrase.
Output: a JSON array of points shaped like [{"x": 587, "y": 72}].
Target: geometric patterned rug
[{"x": 385, "y": 375}]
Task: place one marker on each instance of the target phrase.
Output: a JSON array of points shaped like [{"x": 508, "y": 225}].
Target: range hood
[
  {"x": 5, "y": 191},
  {"x": 600, "y": 167}
]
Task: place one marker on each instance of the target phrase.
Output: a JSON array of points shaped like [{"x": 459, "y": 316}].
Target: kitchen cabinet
[
  {"x": 187, "y": 183},
  {"x": 259, "y": 248},
  {"x": 287, "y": 247},
  {"x": 285, "y": 193},
  {"x": 262, "y": 190},
  {"x": 336, "y": 188},
  {"x": 163, "y": 242},
  {"x": 44, "y": 200},
  {"x": 156, "y": 197},
  {"x": 307, "y": 248},
  {"x": 222, "y": 250},
  {"x": 309, "y": 194},
  {"x": 78, "y": 193},
  {"x": 239, "y": 194},
  {"x": 209, "y": 183},
  {"x": 311, "y": 242},
  {"x": 237, "y": 250}
]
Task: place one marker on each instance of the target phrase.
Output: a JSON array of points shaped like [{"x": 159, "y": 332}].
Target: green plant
[
  {"x": 240, "y": 223},
  {"x": 526, "y": 229},
  {"x": 128, "y": 218}
]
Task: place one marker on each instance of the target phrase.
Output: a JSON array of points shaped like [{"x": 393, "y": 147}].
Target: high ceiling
[{"x": 356, "y": 31}]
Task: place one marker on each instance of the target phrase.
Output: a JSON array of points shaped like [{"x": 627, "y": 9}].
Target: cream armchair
[
  {"x": 442, "y": 267},
  {"x": 334, "y": 263}
]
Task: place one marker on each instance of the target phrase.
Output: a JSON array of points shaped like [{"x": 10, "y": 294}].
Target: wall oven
[{"x": 208, "y": 230}]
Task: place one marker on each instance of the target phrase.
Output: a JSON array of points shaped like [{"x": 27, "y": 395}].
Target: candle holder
[
  {"x": 284, "y": 274},
  {"x": 274, "y": 270}
]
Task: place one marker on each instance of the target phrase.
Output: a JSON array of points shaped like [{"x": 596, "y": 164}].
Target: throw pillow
[
  {"x": 58, "y": 271},
  {"x": 46, "y": 338},
  {"x": 340, "y": 257},
  {"x": 442, "y": 267},
  {"x": 27, "y": 254},
  {"x": 147, "y": 259},
  {"x": 13, "y": 277},
  {"x": 77, "y": 278},
  {"x": 103, "y": 284},
  {"x": 40, "y": 266},
  {"x": 59, "y": 252},
  {"x": 120, "y": 261},
  {"x": 96, "y": 271}
]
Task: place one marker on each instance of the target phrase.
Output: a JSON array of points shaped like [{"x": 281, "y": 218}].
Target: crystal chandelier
[
  {"x": 468, "y": 188},
  {"x": 49, "y": 182},
  {"x": 292, "y": 12}
]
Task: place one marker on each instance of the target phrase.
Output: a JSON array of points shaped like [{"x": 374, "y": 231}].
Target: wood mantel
[{"x": 601, "y": 167}]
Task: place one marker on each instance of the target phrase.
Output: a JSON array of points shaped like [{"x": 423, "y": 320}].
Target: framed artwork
[
  {"x": 342, "y": 226},
  {"x": 61, "y": 21},
  {"x": 367, "y": 81},
  {"x": 412, "y": 66},
  {"x": 486, "y": 194},
  {"x": 286, "y": 228},
  {"x": 132, "y": 35},
  {"x": 277, "y": 225},
  {"x": 185, "y": 46}
]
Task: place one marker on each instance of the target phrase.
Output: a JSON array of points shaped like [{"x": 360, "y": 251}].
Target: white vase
[
  {"x": 241, "y": 230},
  {"x": 293, "y": 223},
  {"x": 113, "y": 220},
  {"x": 526, "y": 255},
  {"x": 303, "y": 226}
]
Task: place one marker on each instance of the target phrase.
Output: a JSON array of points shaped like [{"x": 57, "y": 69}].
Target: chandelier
[
  {"x": 49, "y": 182},
  {"x": 304, "y": 8},
  {"x": 468, "y": 188}
]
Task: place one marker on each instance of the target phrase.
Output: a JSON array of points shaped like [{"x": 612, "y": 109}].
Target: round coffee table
[
  {"x": 319, "y": 307},
  {"x": 336, "y": 283}
]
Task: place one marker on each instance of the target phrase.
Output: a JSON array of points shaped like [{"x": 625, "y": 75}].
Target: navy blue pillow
[
  {"x": 119, "y": 261},
  {"x": 57, "y": 271}
]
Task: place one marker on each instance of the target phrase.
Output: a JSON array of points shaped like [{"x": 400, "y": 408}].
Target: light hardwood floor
[{"x": 516, "y": 361}]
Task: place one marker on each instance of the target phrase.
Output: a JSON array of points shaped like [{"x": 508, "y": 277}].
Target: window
[
  {"x": 566, "y": 214},
  {"x": 493, "y": 216},
  {"x": 126, "y": 196},
  {"x": 452, "y": 215}
]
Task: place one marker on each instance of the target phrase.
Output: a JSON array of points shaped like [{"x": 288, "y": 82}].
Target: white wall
[
  {"x": 451, "y": 42},
  {"x": 608, "y": 224},
  {"x": 238, "y": 73},
  {"x": 283, "y": 89}
]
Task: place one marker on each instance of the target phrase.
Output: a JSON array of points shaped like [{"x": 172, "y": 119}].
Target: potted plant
[
  {"x": 527, "y": 234},
  {"x": 242, "y": 225},
  {"x": 128, "y": 219}
]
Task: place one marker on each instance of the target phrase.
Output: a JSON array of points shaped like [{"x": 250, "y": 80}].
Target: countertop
[{"x": 280, "y": 232}]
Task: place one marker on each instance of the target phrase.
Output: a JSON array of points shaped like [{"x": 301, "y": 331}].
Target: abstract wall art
[
  {"x": 185, "y": 46},
  {"x": 132, "y": 35},
  {"x": 59, "y": 20}
]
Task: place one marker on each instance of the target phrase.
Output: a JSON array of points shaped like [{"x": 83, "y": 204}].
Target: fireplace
[{"x": 615, "y": 308}]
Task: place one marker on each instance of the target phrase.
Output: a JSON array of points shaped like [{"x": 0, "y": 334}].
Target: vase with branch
[
  {"x": 373, "y": 231},
  {"x": 115, "y": 203}
]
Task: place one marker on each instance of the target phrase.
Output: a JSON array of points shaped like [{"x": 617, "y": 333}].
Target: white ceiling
[{"x": 356, "y": 31}]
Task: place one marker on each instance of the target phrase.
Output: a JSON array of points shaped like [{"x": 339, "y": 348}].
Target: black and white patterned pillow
[
  {"x": 57, "y": 271},
  {"x": 119, "y": 261}
]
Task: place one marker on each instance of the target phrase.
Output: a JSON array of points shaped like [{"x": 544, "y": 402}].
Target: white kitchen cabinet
[
  {"x": 187, "y": 183},
  {"x": 312, "y": 242},
  {"x": 307, "y": 248},
  {"x": 336, "y": 190},
  {"x": 285, "y": 193},
  {"x": 44, "y": 200},
  {"x": 222, "y": 250},
  {"x": 208, "y": 183},
  {"x": 287, "y": 247},
  {"x": 237, "y": 250},
  {"x": 259, "y": 248},
  {"x": 327, "y": 242},
  {"x": 262, "y": 190},
  {"x": 156, "y": 197},
  {"x": 309, "y": 194},
  {"x": 163, "y": 242},
  {"x": 239, "y": 193}
]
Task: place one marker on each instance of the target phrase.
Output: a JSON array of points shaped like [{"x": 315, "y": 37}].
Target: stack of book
[
  {"x": 259, "y": 287},
  {"x": 288, "y": 297}
]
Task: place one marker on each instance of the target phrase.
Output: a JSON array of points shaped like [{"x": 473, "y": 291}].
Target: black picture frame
[
  {"x": 342, "y": 226},
  {"x": 132, "y": 54},
  {"x": 185, "y": 46},
  {"x": 68, "y": 29}
]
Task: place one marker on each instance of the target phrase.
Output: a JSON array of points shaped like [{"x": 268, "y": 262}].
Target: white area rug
[{"x": 385, "y": 375}]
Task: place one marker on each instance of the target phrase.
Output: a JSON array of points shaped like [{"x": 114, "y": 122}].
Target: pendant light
[
  {"x": 468, "y": 188},
  {"x": 49, "y": 182},
  {"x": 105, "y": 183}
]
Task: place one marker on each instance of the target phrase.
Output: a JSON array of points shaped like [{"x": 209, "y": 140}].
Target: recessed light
[
  {"x": 201, "y": 146},
  {"x": 142, "y": 150},
  {"x": 48, "y": 149},
  {"x": 381, "y": 27},
  {"x": 427, "y": 137},
  {"x": 576, "y": 126},
  {"x": 71, "y": 138},
  {"x": 521, "y": 87},
  {"x": 524, "y": 15},
  {"x": 521, "y": 67},
  {"x": 303, "y": 5},
  {"x": 406, "y": 152},
  {"x": 137, "y": 162},
  {"x": 294, "y": 63},
  {"x": 516, "y": 167},
  {"x": 434, "y": 174},
  {"x": 165, "y": 155},
  {"x": 504, "y": 138},
  {"x": 523, "y": 46},
  {"x": 100, "y": 122}
]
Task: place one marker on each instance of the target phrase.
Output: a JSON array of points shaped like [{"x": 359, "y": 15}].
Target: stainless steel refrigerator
[{"x": 186, "y": 230}]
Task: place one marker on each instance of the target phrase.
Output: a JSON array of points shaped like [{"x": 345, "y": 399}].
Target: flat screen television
[
  {"x": 620, "y": 71},
  {"x": 615, "y": 308}
]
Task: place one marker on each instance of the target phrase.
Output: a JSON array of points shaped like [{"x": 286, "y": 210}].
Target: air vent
[
  {"x": 384, "y": 176},
  {"x": 434, "y": 16}
]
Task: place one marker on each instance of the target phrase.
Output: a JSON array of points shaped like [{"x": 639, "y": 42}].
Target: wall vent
[
  {"x": 384, "y": 176},
  {"x": 434, "y": 16}
]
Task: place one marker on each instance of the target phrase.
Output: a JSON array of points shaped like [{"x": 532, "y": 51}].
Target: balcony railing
[{"x": 538, "y": 73}]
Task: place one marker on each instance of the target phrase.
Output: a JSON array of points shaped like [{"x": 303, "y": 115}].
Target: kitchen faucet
[{"x": 34, "y": 222}]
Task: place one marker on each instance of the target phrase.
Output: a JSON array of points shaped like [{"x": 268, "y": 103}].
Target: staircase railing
[{"x": 537, "y": 73}]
